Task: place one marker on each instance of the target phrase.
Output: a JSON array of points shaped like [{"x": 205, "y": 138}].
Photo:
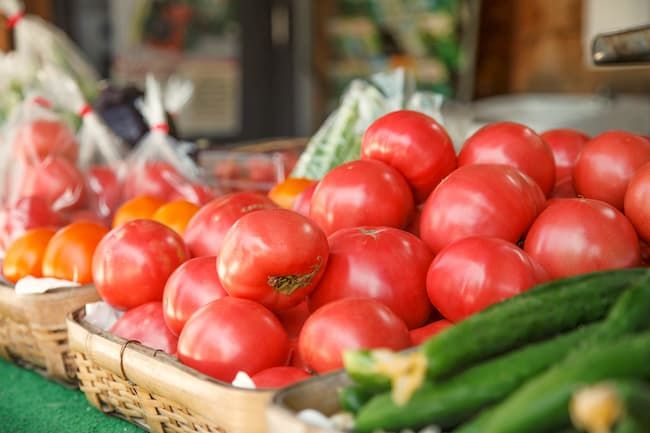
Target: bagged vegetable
[
  {"x": 101, "y": 153},
  {"x": 17, "y": 75},
  {"x": 157, "y": 167}
]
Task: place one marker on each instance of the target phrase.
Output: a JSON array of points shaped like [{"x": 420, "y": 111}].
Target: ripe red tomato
[
  {"x": 473, "y": 273},
  {"x": 157, "y": 179},
  {"x": 302, "y": 203},
  {"x": 511, "y": 144},
  {"x": 104, "y": 190},
  {"x": 273, "y": 256},
  {"x": 566, "y": 145},
  {"x": 27, "y": 213},
  {"x": 349, "y": 324},
  {"x": 41, "y": 138},
  {"x": 606, "y": 165},
  {"x": 294, "y": 318},
  {"x": 279, "y": 377},
  {"x": 361, "y": 193},
  {"x": 192, "y": 285},
  {"x": 402, "y": 137},
  {"x": 576, "y": 236},
  {"x": 205, "y": 232},
  {"x": 231, "y": 335},
  {"x": 57, "y": 180},
  {"x": 637, "y": 201},
  {"x": 480, "y": 200},
  {"x": 133, "y": 262},
  {"x": 145, "y": 324},
  {"x": 382, "y": 263},
  {"x": 422, "y": 334}
]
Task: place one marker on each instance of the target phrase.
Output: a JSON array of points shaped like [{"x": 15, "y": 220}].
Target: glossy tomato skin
[
  {"x": 606, "y": 165},
  {"x": 157, "y": 179},
  {"x": 566, "y": 144},
  {"x": 294, "y": 318},
  {"x": 273, "y": 256},
  {"x": 401, "y": 137},
  {"x": 637, "y": 201},
  {"x": 279, "y": 377},
  {"x": 480, "y": 200},
  {"x": 349, "y": 324},
  {"x": 41, "y": 138},
  {"x": 422, "y": 334},
  {"x": 576, "y": 236},
  {"x": 69, "y": 253},
  {"x": 145, "y": 324},
  {"x": 25, "y": 254},
  {"x": 382, "y": 263},
  {"x": 511, "y": 144},
  {"x": 231, "y": 335},
  {"x": 361, "y": 193},
  {"x": 133, "y": 262},
  {"x": 302, "y": 203},
  {"x": 473, "y": 273},
  {"x": 57, "y": 180},
  {"x": 205, "y": 231},
  {"x": 191, "y": 286}
]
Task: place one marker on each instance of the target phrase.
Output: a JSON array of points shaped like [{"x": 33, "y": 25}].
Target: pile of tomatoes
[{"x": 384, "y": 251}]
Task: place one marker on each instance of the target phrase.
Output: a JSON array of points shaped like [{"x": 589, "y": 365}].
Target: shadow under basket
[
  {"x": 154, "y": 390},
  {"x": 320, "y": 393},
  {"x": 33, "y": 331}
]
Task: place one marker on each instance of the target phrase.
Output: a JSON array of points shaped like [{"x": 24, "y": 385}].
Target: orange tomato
[
  {"x": 25, "y": 255},
  {"x": 69, "y": 254},
  {"x": 141, "y": 207},
  {"x": 284, "y": 193},
  {"x": 176, "y": 215}
]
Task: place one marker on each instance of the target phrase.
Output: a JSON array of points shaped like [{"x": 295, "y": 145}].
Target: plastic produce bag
[
  {"x": 47, "y": 44},
  {"x": 157, "y": 167},
  {"x": 101, "y": 153},
  {"x": 17, "y": 74}
]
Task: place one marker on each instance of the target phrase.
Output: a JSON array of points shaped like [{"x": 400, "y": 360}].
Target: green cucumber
[
  {"x": 352, "y": 398},
  {"x": 545, "y": 310},
  {"x": 630, "y": 425},
  {"x": 542, "y": 404}
]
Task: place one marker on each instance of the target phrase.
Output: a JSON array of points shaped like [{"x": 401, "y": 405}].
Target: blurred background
[{"x": 273, "y": 68}]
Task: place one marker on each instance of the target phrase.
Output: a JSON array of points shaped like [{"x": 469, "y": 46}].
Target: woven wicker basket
[
  {"x": 156, "y": 392},
  {"x": 320, "y": 393},
  {"x": 33, "y": 331}
]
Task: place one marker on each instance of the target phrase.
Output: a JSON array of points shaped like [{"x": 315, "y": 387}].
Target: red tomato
[
  {"x": 295, "y": 360},
  {"x": 279, "y": 377},
  {"x": 273, "y": 256},
  {"x": 133, "y": 261},
  {"x": 231, "y": 335},
  {"x": 420, "y": 335},
  {"x": 349, "y": 324},
  {"x": 57, "y": 180},
  {"x": 512, "y": 144},
  {"x": 104, "y": 190},
  {"x": 302, "y": 203},
  {"x": 480, "y": 200},
  {"x": 27, "y": 213},
  {"x": 192, "y": 285},
  {"x": 41, "y": 138},
  {"x": 564, "y": 189},
  {"x": 403, "y": 137},
  {"x": 606, "y": 165},
  {"x": 416, "y": 221},
  {"x": 205, "y": 232},
  {"x": 157, "y": 179},
  {"x": 192, "y": 192},
  {"x": 145, "y": 324},
  {"x": 566, "y": 145},
  {"x": 473, "y": 273},
  {"x": 637, "y": 202},
  {"x": 576, "y": 236},
  {"x": 294, "y": 318},
  {"x": 361, "y": 193},
  {"x": 382, "y": 263}
]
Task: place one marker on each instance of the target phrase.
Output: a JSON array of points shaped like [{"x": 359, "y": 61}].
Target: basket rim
[
  {"x": 78, "y": 316},
  {"x": 50, "y": 295}
]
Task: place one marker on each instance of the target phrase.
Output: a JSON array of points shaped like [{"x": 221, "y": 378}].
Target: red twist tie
[
  {"x": 86, "y": 109},
  {"x": 39, "y": 100},
  {"x": 14, "y": 19},
  {"x": 161, "y": 127}
]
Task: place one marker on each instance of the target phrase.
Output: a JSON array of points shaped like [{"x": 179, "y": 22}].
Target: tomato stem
[{"x": 287, "y": 284}]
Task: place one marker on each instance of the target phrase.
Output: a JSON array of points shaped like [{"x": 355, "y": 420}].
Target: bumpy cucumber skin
[
  {"x": 525, "y": 319},
  {"x": 541, "y": 405},
  {"x": 450, "y": 402}
]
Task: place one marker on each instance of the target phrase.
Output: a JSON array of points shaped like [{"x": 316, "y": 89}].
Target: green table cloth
[{"x": 31, "y": 404}]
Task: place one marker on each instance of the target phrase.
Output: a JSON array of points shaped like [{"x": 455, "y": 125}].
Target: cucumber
[
  {"x": 450, "y": 402},
  {"x": 630, "y": 425},
  {"x": 542, "y": 404},
  {"x": 352, "y": 398},
  {"x": 545, "y": 310}
]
